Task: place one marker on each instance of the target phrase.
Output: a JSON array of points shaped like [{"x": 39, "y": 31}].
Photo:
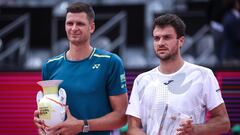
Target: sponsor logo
[
  {"x": 122, "y": 78},
  {"x": 96, "y": 66},
  {"x": 169, "y": 81},
  {"x": 123, "y": 86}
]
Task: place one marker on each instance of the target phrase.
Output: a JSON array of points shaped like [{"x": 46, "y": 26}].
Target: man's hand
[
  {"x": 186, "y": 128},
  {"x": 71, "y": 126},
  {"x": 39, "y": 123}
]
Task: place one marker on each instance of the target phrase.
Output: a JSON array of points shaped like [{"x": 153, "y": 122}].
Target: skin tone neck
[
  {"x": 79, "y": 52},
  {"x": 171, "y": 66}
]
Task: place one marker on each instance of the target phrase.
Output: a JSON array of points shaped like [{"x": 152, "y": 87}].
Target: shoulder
[
  {"x": 193, "y": 67},
  {"x": 55, "y": 59},
  {"x": 105, "y": 55},
  {"x": 148, "y": 75}
]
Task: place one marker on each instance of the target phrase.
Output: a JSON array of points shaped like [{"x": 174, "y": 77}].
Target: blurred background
[{"x": 33, "y": 30}]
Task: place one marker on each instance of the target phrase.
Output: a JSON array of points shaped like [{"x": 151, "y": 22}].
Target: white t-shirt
[{"x": 160, "y": 100}]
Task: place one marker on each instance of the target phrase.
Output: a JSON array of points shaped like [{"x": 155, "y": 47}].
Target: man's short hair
[
  {"x": 171, "y": 20},
  {"x": 79, "y": 7}
]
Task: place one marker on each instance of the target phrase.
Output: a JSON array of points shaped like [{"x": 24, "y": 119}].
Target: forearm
[
  {"x": 135, "y": 131},
  {"x": 110, "y": 121},
  {"x": 214, "y": 126},
  {"x": 113, "y": 120}
]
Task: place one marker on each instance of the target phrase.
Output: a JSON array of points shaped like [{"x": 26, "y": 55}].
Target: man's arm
[
  {"x": 218, "y": 123},
  {"x": 134, "y": 126},
  {"x": 115, "y": 119}
]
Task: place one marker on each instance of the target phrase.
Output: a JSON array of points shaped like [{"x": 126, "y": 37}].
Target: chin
[{"x": 164, "y": 58}]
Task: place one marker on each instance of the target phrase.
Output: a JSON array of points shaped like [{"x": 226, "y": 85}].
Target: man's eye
[
  {"x": 166, "y": 37},
  {"x": 69, "y": 23},
  {"x": 80, "y": 24},
  {"x": 156, "y": 38}
]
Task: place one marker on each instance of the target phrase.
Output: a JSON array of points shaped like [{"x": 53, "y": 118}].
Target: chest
[
  {"x": 186, "y": 94},
  {"x": 81, "y": 78}
]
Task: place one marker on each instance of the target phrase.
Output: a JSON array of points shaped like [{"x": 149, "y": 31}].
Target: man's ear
[
  {"x": 181, "y": 41},
  {"x": 92, "y": 27}
]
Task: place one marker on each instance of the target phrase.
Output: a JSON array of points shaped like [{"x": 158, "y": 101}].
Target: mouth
[
  {"x": 162, "y": 49},
  {"x": 75, "y": 34}
]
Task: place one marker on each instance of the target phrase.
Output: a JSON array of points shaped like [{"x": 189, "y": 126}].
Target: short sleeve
[
  {"x": 212, "y": 91},
  {"x": 116, "y": 80},
  {"x": 44, "y": 72},
  {"x": 133, "y": 108}
]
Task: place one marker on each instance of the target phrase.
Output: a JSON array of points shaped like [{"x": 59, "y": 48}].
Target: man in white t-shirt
[{"x": 174, "y": 97}]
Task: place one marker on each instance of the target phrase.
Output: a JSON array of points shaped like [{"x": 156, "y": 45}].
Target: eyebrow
[{"x": 169, "y": 35}]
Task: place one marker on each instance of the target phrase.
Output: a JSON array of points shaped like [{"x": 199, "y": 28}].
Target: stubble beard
[{"x": 169, "y": 56}]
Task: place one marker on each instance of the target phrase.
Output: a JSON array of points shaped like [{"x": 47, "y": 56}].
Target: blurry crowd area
[{"x": 33, "y": 30}]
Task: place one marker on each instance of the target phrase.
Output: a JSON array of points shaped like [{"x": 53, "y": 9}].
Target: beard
[
  {"x": 170, "y": 55},
  {"x": 167, "y": 57}
]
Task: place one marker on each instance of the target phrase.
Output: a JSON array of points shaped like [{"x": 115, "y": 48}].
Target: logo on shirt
[
  {"x": 169, "y": 81},
  {"x": 122, "y": 78},
  {"x": 123, "y": 81},
  {"x": 123, "y": 86},
  {"x": 96, "y": 66}
]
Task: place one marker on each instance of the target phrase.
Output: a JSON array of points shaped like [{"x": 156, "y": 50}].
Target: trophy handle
[
  {"x": 62, "y": 96},
  {"x": 39, "y": 96}
]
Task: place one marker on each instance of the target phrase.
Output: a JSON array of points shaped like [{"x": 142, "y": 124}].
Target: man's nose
[
  {"x": 161, "y": 42},
  {"x": 74, "y": 27}
]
